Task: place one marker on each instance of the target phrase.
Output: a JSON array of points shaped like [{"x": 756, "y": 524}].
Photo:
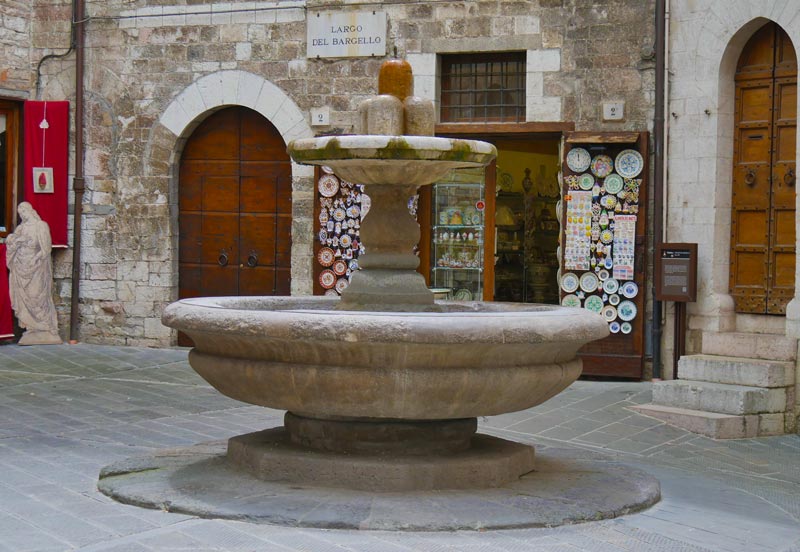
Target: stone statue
[{"x": 31, "y": 278}]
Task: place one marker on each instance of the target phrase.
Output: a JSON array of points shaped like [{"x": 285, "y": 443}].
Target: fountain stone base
[{"x": 489, "y": 462}]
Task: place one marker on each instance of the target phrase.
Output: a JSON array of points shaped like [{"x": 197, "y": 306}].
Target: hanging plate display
[
  {"x": 629, "y": 290},
  {"x": 606, "y": 236},
  {"x": 609, "y": 313},
  {"x": 570, "y": 300},
  {"x": 354, "y": 211},
  {"x": 603, "y": 274},
  {"x": 586, "y": 181},
  {"x": 613, "y": 327},
  {"x": 626, "y": 327},
  {"x": 602, "y": 165},
  {"x": 629, "y": 163},
  {"x": 328, "y": 185},
  {"x": 593, "y": 303},
  {"x": 325, "y": 256},
  {"x": 345, "y": 240},
  {"x": 326, "y": 169},
  {"x": 463, "y": 295},
  {"x": 569, "y": 282},
  {"x": 327, "y": 279},
  {"x": 339, "y": 214},
  {"x": 341, "y": 284},
  {"x": 339, "y": 267},
  {"x": 331, "y": 292},
  {"x": 366, "y": 203},
  {"x": 589, "y": 283},
  {"x": 613, "y": 183},
  {"x": 578, "y": 160},
  {"x": 626, "y": 311},
  {"x": 608, "y": 201},
  {"x": 610, "y": 286},
  {"x": 613, "y": 299}
]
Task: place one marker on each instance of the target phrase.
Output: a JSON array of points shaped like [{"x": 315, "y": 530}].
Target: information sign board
[
  {"x": 676, "y": 272},
  {"x": 346, "y": 34}
]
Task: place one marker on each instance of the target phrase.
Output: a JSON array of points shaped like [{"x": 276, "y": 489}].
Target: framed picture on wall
[{"x": 43, "y": 180}]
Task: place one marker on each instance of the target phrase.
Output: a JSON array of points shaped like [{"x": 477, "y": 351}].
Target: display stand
[{"x": 603, "y": 245}]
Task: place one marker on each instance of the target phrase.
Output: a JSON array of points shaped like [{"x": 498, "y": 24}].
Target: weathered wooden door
[
  {"x": 763, "y": 205},
  {"x": 235, "y": 208}
]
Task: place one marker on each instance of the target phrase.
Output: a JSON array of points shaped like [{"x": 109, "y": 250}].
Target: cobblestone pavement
[{"x": 67, "y": 411}]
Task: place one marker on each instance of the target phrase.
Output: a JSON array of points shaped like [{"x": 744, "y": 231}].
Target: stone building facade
[{"x": 155, "y": 69}]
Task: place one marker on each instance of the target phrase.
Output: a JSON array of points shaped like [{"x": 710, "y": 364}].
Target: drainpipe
[
  {"x": 78, "y": 185},
  {"x": 658, "y": 172}
]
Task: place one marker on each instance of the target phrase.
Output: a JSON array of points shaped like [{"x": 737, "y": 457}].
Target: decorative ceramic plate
[
  {"x": 608, "y": 201},
  {"x": 331, "y": 292},
  {"x": 626, "y": 311},
  {"x": 606, "y": 236},
  {"x": 570, "y": 300},
  {"x": 463, "y": 295},
  {"x": 328, "y": 185},
  {"x": 589, "y": 283},
  {"x": 629, "y": 163},
  {"x": 476, "y": 219},
  {"x": 569, "y": 282},
  {"x": 610, "y": 286},
  {"x": 506, "y": 182},
  {"x": 323, "y": 236},
  {"x": 341, "y": 284},
  {"x": 602, "y": 165},
  {"x": 586, "y": 181},
  {"x": 339, "y": 267},
  {"x": 578, "y": 160},
  {"x": 325, "y": 256},
  {"x": 609, "y": 313},
  {"x": 353, "y": 211},
  {"x": 326, "y": 169},
  {"x": 626, "y": 327},
  {"x": 603, "y": 274},
  {"x": 345, "y": 240},
  {"x": 613, "y": 183},
  {"x": 327, "y": 279},
  {"x": 339, "y": 214},
  {"x": 353, "y": 264},
  {"x": 613, "y": 299},
  {"x": 593, "y": 303},
  {"x": 323, "y": 216},
  {"x": 629, "y": 289},
  {"x": 366, "y": 203},
  {"x": 613, "y": 327}
]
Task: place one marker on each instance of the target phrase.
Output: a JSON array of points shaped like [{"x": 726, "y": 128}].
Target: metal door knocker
[
  {"x": 789, "y": 177},
  {"x": 750, "y": 177},
  {"x": 223, "y": 258},
  {"x": 252, "y": 259}
]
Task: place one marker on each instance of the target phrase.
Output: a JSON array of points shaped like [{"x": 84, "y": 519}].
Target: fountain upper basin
[
  {"x": 392, "y": 160},
  {"x": 299, "y": 354}
]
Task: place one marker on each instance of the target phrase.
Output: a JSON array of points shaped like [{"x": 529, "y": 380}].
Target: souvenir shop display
[
  {"x": 342, "y": 206},
  {"x": 601, "y": 210}
]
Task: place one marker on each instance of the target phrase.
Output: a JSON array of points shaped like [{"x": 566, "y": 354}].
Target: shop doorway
[
  {"x": 762, "y": 249},
  {"x": 235, "y": 208}
]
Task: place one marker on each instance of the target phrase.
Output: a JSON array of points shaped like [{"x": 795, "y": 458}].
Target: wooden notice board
[{"x": 676, "y": 272}]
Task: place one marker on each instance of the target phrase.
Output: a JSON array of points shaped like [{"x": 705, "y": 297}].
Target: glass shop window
[{"x": 483, "y": 87}]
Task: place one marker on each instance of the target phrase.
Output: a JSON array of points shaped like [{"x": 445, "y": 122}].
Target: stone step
[
  {"x": 714, "y": 425},
  {"x": 750, "y": 345},
  {"x": 719, "y": 397},
  {"x": 736, "y": 370}
]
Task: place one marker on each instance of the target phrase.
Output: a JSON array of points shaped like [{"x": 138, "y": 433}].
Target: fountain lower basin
[{"x": 384, "y": 391}]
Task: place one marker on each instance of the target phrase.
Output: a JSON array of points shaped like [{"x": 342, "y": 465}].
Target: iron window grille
[{"x": 483, "y": 87}]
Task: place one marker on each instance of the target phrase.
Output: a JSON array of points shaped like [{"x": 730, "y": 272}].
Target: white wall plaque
[
  {"x": 613, "y": 111},
  {"x": 321, "y": 116},
  {"x": 349, "y": 34}
]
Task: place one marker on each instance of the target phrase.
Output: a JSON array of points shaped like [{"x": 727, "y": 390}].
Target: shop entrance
[
  {"x": 235, "y": 208},
  {"x": 762, "y": 250}
]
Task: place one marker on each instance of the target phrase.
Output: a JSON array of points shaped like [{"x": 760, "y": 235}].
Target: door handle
[
  {"x": 789, "y": 177},
  {"x": 750, "y": 177},
  {"x": 222, "y": 260},
  {"x": 252, "y": 259}
]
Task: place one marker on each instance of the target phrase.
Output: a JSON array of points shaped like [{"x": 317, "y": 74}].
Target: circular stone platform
[{"x": 567, "y": 486}]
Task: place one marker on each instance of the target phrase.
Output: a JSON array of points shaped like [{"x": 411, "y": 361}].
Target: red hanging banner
[
  {"x": 46, "y": 164},
  {"x": 6, "y": 315}
]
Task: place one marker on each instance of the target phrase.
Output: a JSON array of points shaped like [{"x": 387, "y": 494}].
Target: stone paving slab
[{"x": 79, "y": 408}]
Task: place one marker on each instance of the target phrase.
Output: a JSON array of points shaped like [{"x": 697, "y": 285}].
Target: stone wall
[{"x": 145, "y": 57}]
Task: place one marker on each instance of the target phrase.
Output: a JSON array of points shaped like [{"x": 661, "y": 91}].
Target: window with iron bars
[{"x": 483, "y": 87}]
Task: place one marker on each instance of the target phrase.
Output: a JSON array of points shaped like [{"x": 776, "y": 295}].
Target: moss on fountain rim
[{"x": 417, "y": 148}]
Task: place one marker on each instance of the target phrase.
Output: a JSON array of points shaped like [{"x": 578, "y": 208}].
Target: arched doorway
[
  {"x": 762, "y": 255},
  {"x": 235, "y": 205}
]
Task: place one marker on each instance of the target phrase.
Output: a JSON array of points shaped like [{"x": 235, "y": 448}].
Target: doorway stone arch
[{"x": 209, "y": 94}]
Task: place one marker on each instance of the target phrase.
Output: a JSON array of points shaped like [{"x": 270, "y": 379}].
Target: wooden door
[
  {"x": 763, "y": 202},
  {"x": 235, "y": 208}
]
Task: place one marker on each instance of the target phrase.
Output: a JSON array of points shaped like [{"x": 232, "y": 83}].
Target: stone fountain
[{"x": 382, "y": 387}]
